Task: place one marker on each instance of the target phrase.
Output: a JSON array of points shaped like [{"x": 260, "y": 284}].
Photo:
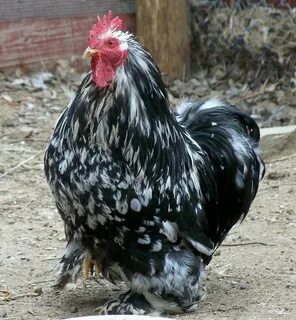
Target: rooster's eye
[{"x": 110, "y": 43}]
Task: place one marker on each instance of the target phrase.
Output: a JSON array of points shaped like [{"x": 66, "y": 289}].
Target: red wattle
[{"x": 102, "y": 73}]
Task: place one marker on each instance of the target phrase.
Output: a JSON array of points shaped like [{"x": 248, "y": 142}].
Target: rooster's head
[{"x": 108, "y": 49}]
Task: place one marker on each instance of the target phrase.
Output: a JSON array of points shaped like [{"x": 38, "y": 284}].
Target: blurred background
[{"x": 243, "y": 51}]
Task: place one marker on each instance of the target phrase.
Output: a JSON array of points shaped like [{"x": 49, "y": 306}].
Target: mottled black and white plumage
[{"x": 149, "y": 194}]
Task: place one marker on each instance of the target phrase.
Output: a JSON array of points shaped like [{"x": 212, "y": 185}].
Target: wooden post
[{"x": 163, "y": 28}]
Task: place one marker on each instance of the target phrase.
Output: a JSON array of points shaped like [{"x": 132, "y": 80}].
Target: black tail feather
[{"x": 230, "y": 138}]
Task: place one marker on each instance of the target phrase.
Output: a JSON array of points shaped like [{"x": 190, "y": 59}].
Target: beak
[{"x": 89, "y": 52}]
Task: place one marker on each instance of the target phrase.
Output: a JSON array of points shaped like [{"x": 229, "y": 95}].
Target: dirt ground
[{"x": 252, "y": 276}]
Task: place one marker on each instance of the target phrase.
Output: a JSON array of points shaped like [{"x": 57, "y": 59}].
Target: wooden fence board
[{"x": 163, "y": 27}]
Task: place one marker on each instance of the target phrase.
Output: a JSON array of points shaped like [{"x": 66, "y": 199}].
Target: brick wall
[
  {"x": 12, "y": 10},
  {"x": 34, "y": 31}
]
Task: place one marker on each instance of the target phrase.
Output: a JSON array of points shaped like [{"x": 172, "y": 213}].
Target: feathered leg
[
  {"x": 69, "y": 266},
  {"x": 128, "y": 303},
  {"x": 76, "y": 259},
  {"x": 175, "y": 287}
]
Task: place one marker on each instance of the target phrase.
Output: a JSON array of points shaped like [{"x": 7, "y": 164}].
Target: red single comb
[{"x": 104, "y": 24}]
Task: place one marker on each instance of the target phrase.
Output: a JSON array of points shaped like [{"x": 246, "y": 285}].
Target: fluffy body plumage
[{"x": 149, "y": 194}]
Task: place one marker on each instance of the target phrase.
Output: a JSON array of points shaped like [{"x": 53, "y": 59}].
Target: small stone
[
  {"x": 243, "y": 286},
  {"x": 194, "y": 83},
  {"x": 38, "y": 290},
  {"x": 26, "y": 131},
  {"x": 25, "y": 259},
  {"x": 74, "y": 309},
  {"x": 175, "y": 91}
]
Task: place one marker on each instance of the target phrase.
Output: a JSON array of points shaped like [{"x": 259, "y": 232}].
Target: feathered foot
[
  {"x": 177, "y": 289},
  {"x": 146, "y": 304},
  {"x": 128, "y": 303},
  {"x": 77, "y": 260}
]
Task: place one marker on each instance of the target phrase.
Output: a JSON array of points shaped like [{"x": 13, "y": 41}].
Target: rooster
[{"x": 146, "y": 195}]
